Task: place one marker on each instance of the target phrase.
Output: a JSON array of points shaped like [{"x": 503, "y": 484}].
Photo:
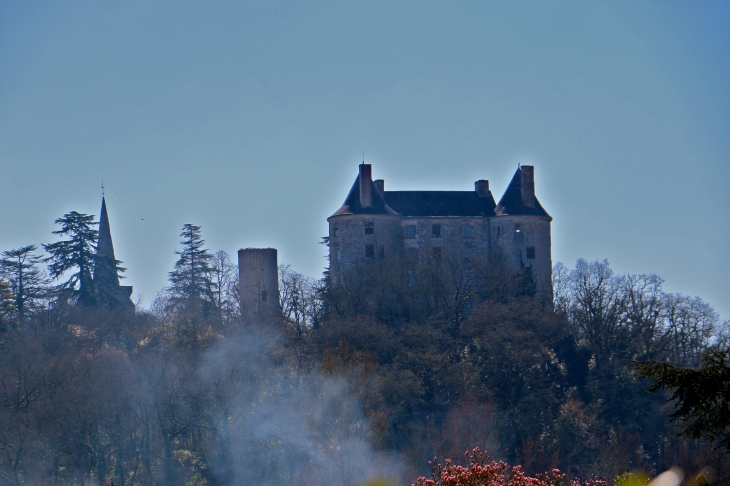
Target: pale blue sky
[{"x": 249, "y": 118}]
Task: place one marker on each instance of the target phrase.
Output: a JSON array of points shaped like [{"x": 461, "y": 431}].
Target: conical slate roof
[
  {"x": 106, "y": 279},
  {"x": 105, "y": 265},
  {"x": 352, "y": 202},
  {"x": 516, "y": 202}
]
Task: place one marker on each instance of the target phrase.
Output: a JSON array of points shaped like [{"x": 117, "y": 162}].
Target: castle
[{"x": 465, "y": 225}]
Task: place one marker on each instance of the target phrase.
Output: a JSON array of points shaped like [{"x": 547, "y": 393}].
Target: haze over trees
[{"x": 396, "y": 363}]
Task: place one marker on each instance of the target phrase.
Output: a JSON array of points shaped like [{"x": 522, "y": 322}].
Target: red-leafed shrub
[{"x": 483, "y": 472}]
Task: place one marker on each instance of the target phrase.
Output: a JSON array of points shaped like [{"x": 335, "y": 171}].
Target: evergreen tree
[
  {"x": 75, "y": 253},
  {"x": 702, "y": 395},
  {"x": 6, "y": 306},
  {"x": 20, "y": 268},
  {"x": 191, "y": 285}
]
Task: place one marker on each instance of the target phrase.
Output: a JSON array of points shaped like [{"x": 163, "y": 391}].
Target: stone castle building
[{"x": 418, "y": 225}]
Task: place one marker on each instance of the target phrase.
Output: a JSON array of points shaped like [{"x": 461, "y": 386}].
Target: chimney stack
[
  {"x": 528, "y": 185},
  {"x": 380, "y": 186},
  {"x": 366, "y": 185},
  {"x": 482, "y": 188}
]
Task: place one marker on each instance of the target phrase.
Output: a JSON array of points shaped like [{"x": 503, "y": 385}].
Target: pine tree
[
  {"x": 701, "y": 395},
  {"x": 6, "y": 306},
  {"x": 75, "y": 253},
  {"x": 191, "y": 285},
  {"x": 20, "y": 268}
]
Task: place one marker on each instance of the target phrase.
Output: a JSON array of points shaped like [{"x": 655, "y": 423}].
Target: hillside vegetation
[{"x": 373, "y": 377}]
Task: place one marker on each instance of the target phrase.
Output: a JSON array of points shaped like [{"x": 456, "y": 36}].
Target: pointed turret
[
  {"x": 364, "y": 196},
  {"x": 519, "y": 198},
  {"x": 106, "y": 276}
]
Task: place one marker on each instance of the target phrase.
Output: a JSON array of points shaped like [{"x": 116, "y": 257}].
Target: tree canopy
[
  {"x": 76, "y": 254},
  {"x": 701, "y": 395},
  {"x": 190, "y": 282}
]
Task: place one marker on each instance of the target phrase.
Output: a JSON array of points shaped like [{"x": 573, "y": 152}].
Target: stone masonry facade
[{"x": 466, "y": 225}]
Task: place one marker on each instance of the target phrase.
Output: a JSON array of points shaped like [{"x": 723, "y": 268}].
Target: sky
[{"x": 249, "y": 119}]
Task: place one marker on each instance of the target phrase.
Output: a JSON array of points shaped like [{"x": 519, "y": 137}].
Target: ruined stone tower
[{"x": 258, "y": 282}]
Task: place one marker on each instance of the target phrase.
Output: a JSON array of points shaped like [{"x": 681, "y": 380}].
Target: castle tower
[
  {"x": 521, "y": 230},
  {"x": 106, "y": 279},
  {"x": 258, "y": 282},
  {"x": 364, "y": 227}
]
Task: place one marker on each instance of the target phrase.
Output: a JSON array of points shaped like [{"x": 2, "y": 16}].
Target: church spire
[{"x": 106, "y": 268}]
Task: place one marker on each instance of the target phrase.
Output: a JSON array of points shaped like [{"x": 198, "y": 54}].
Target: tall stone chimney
[
  {"x": 482, "y": 188},
  {"x": 528, "y": 185},
  {"x": 380, "y": 185},
  {"x": 366, "y": 185}
]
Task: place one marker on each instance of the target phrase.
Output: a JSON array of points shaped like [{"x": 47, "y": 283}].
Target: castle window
[
  {"x": 336, "y": 231},
  {"x": 369, "y": 228},
  {"x": 467, "y": 231},
  {"x": 412, "y": 253},
  {"x": 263, "y": 296},
  {"x": 435, "y": 231},
  {"x": 518, "y": 228},
  {"x": 499, "y": 230},
  {"x": 530, "y": 252},
  {"x": 338, "y": 254},
  {"x": 436, "y": 252},
  {"x": 410, "y": 231},
  {"x": 467, "y": 253},
  {"x": 369, "y": 251}
]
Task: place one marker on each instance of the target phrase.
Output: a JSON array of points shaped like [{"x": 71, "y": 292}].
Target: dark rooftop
[
  {"x": 440, "y": 203},
  {"x": 448, "y": 203},
  {"x": 352, "y": 202},
  {"x": 512, "y": 202}
]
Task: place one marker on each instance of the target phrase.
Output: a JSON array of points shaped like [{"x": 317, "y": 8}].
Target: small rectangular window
[
  {"x": 499, "y": 230},
  {"x": 412, "y": 253},
  {"x": 436, "y": 252},
  {"x": 410, "y": 231},
  {"x": 369, "y": 251},
  {"x": 467, "y": 254},
  {"x": 530, "y": 252},
  {"x": 436, "y": 231},
  {"x": 336, "y": 231},
  {"x": 518, "y": 228},
  {"x": 467, "y": 231},
  {"x": 338, "y": 254},
  {"x": 369, "y": 228}
]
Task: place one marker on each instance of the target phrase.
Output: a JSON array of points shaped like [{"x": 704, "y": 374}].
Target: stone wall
[
  {"x": 258, "y": 274},
  {"x": 524, "y": 241}
]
